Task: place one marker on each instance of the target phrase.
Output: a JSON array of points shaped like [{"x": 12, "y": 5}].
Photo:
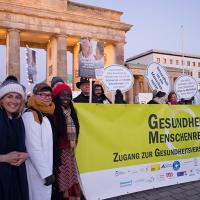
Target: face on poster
[{"x": 91, "y": 57}]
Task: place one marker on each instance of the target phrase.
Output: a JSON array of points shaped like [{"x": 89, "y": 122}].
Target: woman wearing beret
[
  {"x": 13, "y": 177},
  {"x": 67, "y": 128},
  {"x": 39, "y": 142}
]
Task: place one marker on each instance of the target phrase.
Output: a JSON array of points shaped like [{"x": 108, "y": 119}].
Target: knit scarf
[
  {"x": 41, "y": 107},
  {"x": 71, "y": 129}
]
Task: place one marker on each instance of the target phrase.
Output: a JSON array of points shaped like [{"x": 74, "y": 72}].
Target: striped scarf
[{"x": 71, "y": 129}]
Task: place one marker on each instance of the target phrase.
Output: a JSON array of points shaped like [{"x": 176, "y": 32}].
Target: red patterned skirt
[{"x": 68, "y": 174}]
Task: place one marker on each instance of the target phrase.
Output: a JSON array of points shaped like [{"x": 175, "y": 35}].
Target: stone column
[
  {"x": 109, "y": 52},
  {"x": 171, "y": 82},
  {"x": 119, "y": 53},
  {"x": 57, "y": 57},
  {"x": 146, "y": 87},
  {"x": 75, "y": 66},
  {"x": 137, "y": 85},
  {"x": 130, "y": 96},
  {"x": 62, "y": 57},
  {"x": 134, "y": 90},
  {"x": 13, "y": 53},
  {"x": 51, "y": 59},
  {"x": 119, "y": 59}
]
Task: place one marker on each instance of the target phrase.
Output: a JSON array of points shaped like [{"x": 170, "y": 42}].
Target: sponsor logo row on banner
[{"x": 118, "y": 181}]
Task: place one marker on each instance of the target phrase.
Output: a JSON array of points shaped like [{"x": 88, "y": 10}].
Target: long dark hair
[{"x": 61, "y": 125}]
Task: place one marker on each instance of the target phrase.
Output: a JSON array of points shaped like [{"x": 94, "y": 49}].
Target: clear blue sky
[{"x": 156, "y": 26}]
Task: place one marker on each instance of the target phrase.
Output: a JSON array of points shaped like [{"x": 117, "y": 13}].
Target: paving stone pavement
[{"x": 184, "y": 191}]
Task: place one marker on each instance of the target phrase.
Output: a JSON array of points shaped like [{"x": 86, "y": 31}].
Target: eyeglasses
[{"x": 44, "y": 95}]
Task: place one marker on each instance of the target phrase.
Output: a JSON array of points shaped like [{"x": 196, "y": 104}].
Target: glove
[{"x": 49, "y": 180}]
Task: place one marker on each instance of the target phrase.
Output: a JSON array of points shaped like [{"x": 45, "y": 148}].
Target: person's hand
[
  {"x": 11, "y": 157},
  {"x": 49, "y": 180},
  {"x": 21, "y": 158}
]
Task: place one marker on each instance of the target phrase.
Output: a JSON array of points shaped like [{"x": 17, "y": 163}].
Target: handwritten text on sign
[
  {"x": 158, "y": 78},
  {"x": 117, "y": 77},
  {"x": 186, "y": 87}
]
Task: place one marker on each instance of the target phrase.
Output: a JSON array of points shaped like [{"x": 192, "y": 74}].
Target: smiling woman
[
  {"x": 12, "y": 103},
  {"x": 67, "y": 131},
  {"x": 13, "y": 178},
  {"x": 39, "y": 141}
]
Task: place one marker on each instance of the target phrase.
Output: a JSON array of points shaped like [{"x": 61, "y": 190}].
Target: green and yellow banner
[{"x": 113, "y": 136}]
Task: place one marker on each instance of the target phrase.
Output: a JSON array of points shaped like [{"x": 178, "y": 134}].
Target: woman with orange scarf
[{"x": 39, "y": 142}]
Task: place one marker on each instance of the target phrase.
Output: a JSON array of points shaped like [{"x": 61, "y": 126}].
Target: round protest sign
[
  {"x": 117, "y": 77},
  {"x": 185, "y": 87},
  {"x": 158, "y": 78}
]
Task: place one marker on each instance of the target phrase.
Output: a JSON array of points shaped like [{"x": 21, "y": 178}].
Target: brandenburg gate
[{"x": 57, "y": 26}]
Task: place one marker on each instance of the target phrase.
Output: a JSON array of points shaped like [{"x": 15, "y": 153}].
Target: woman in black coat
[{"x": 13, "y": 178}]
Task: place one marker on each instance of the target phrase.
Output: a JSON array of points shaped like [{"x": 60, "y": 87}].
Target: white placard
[
  {"x": 186, "y": 87},
  {"x": 158, "y": 78},
  {"x": 117, "y": 77}
]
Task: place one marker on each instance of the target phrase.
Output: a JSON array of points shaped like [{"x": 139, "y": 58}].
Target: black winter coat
[
  {"x": 100, "y": 99},
  {"x": 81, "y": 98},
  {"x": 13, "y": 180}
]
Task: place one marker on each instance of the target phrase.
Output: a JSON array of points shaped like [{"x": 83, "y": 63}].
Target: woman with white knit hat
[{"x": 13, "y": 177}]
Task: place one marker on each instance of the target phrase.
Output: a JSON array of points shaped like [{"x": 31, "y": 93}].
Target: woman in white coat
[{"x": 39, "y": 142}]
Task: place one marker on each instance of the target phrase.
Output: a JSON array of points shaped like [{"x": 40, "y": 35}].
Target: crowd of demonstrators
[
  {"x": 160, "y": 97},
  {"x": 98, "y": 95},
  {"x": 173, "y": 99},
  {"x": 13, "y": 176}
]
